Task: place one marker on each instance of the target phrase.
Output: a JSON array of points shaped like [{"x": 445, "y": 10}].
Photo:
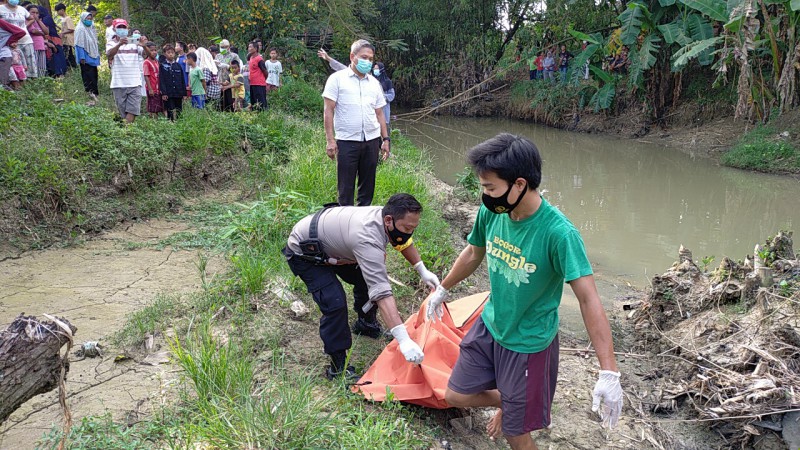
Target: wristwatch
[{"x": 387, "y": 139}]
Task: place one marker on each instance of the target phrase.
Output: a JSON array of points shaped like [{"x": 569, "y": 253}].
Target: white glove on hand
[
  {"x": 408, "y": 347},
  {"x": 427, "y": 276},
  {"x": 609, "y": 392},
  {"x": 435, "y": 300}
]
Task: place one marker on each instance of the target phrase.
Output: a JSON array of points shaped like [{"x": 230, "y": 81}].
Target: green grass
[
  {"x": 764, "y": 150},
  {"x": 243, "y": 387},
  {"x": 68, "y": 168}
]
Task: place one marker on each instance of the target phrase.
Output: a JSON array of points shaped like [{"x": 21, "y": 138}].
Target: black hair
[
  {"x": 167, "y": 47},
  {"x": 401, "y": 204},
  {"x": 234, "y": 49},
  {"x": 509, "y": 157},
  {"x": 61, "y": 6},
  {"x": 235, "y": 62},
  {"x": 150, "y": 44},
  {"x": 92, "y": 9},
  {"x": 214, "y": 48},
  {"x": 183, "y": 45},
  {"x": 192, "y": 56}
]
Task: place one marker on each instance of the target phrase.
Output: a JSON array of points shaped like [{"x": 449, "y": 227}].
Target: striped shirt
[
  {"x": 356, "y": 98},
  {"x": 126, "y": 70}
]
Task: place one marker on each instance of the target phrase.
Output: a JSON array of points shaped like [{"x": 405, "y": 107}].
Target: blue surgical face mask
[
  {"x": 13, "y": 2},
  {"x": 364, "y": 66},
  {"x": 377, "y": 72},
  {"x": 122, "y": 32},
  {"x": 136, "y": 36},
  {"x": 88, "y": 23}
]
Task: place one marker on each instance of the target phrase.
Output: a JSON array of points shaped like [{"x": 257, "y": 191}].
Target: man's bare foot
[{"x": 495, "y": 426}]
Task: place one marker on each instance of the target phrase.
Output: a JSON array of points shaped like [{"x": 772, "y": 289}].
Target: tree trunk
[
  {"x": 30, "y": 360},
  {"x": 124, "y": 10}
]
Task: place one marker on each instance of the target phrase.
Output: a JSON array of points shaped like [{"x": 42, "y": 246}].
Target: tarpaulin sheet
[{"x": 424, "y": 384}]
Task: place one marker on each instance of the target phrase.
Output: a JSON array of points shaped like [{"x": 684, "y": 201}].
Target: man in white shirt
[
  {"x": 355, "y": 128},
  {"x": 126, "y": 71},
  {"x": 107, "y": 20}
]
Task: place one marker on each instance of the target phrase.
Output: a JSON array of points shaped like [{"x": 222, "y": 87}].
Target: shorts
[
  {"x": 199, "y": 101},
  {"x": 155, "y": 104},
  {"x": 526, "y": 381},
  {"x": 128, "y": 100}
]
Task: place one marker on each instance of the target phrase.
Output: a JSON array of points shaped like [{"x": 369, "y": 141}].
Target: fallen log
[{"x": 30, "y": 359}]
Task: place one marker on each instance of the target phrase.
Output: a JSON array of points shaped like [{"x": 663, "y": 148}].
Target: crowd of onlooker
[
  {"x": 35, "y": 44},
  {"x": 552, "y": 65}
]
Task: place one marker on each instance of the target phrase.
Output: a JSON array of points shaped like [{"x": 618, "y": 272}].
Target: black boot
[
  {"x": 367, "y": 328},
  {"x": 337, "y": 368}
]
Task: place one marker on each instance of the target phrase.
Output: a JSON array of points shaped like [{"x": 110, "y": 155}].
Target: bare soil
[{"x": 95, "y": 285}]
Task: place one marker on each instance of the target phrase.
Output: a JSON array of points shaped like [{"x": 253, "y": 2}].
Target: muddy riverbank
[{"x": 95, "y": 285}]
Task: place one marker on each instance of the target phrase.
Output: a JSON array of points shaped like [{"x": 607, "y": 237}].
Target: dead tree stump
[{"x": 30, "y": 360}]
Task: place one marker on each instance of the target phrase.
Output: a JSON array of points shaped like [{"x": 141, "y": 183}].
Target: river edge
[{"x": 706, "y": 130}]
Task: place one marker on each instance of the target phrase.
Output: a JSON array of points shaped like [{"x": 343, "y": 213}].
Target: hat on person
[
  {"x": 224, "y": 43},
  {"x": 119, "y": 23}
]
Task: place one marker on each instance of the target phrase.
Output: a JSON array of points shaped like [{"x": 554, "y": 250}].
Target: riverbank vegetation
[{"x": 251, "y": 369}]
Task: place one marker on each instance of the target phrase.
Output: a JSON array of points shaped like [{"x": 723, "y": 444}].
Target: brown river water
[{"x": 635, "y": 203}]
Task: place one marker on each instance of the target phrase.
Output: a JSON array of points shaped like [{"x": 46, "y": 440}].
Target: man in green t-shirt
[{"x": 509, "y": 359}]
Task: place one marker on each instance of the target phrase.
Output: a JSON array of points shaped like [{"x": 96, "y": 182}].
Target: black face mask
[
  {"x": 397, "y": 237},
  {"x": 500, "y": 205}
]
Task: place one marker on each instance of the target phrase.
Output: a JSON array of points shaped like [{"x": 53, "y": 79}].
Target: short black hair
[
  {"x": 509, "y": 157},
  {"x": 183, "y": 45},
  {"x": 214, "y": 48},
  {"x": 167, "y": 47},
  {"x": 91, "y": 9},
  {"x": 150, "y": 44},
  {"x": 60, "y": 7},
  {"x": 401, "y": 204},
  {"x": 235, "y": 62},
  {"x": 192, "y": 56},
  {"x": 234, "y": 49}
]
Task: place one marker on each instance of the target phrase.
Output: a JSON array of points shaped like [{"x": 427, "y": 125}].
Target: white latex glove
[
  {"x": 408, "y": 347},
  {"x": 427, "y": 276},
  {"x": 435, "y": 300},
  {"x": 609, "y": 392}
]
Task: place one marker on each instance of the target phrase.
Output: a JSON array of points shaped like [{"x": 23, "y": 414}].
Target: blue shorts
[
  {"x": 526, "y": 381},
  {"x": 199, "y": 101}
]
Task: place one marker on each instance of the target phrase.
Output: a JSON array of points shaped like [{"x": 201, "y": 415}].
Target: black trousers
[
  {"x": 227, "y": 100},
  {"x": 89, "y": 76},
  {"x": 69, "y": 53},
  {"x": 328, "y": 293},
  {"x": 174, "y": 107},
  {"x": 258, "y": 97},
  {"x": 357, "y": 160}
]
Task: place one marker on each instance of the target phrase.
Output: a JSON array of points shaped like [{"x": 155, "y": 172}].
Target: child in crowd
[
  {"x": 180, "y": 51},
  {"x": 197, "y": 82},
  {"x": 274, "y": 70},
  {"x": 17, "y": 67},
  {"x": 258, "y": 77},
  {"x": 37, "y": 31},
  {"x": 206, "y": 62},
  {"x": 171, "y": 83},
  {"x": 150, "y": 70},
  {"x": 192, "y": 47},
  {"x": 237, "y": 85}
]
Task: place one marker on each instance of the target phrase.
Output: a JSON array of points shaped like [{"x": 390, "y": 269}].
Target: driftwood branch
[{"x": 30, "y": 359}]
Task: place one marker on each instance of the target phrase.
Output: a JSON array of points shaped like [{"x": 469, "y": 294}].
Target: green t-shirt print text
[{"x": 529, "y": 261}]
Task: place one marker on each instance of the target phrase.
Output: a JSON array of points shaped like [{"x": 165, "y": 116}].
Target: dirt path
[{"x": 95, "y": 285}]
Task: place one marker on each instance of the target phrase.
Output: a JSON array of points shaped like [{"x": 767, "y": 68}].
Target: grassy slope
[{"x": 246, "y": 383}]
